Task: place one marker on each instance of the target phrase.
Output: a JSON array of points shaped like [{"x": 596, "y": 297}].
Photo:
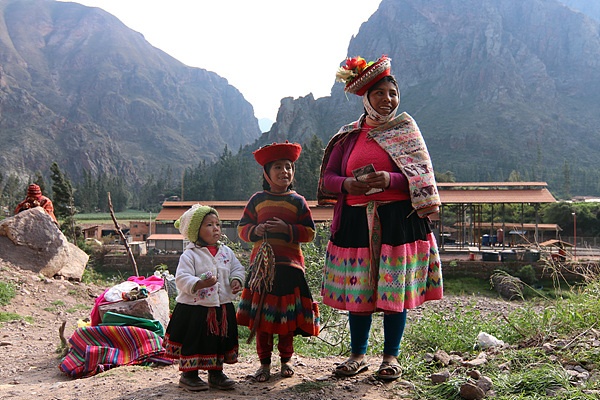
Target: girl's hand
[
  {"x": 260, "y": 230},
  {"x": 276, "y": 225},
  {"x": 236, "y": 286},
  {"x": 205, "y": 283}
]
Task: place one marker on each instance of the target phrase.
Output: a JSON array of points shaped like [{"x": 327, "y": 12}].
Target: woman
[{"x": 382, "y": 255}]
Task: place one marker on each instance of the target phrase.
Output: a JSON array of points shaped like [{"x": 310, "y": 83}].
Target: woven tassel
[
  {"x": 263, "y": 269},
  {"x": 224, "y": 321},
  {"x": 211, "y": 321},
  {"x": 261, "y": 280}
]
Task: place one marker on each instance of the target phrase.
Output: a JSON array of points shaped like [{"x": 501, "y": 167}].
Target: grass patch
[
  {"x": 468, "y": 286},
  {"x": 6, "y": 316},
  {"x": 128, "y": 215},
  {"x": 7, "y": 293},
  {"x": 77, "y": 307}
]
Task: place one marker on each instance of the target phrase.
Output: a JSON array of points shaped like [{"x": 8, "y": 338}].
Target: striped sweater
[{"x": 291, "y": 208}]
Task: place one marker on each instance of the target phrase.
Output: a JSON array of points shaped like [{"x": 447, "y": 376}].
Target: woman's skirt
[
  {"x": 202, "y": 337},
  {"x": 409, "y": 270},
  {"x": 287, "y": 308}
]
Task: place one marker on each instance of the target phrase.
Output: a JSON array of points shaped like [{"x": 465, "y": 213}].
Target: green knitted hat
[{"x": 191, "y": 220}]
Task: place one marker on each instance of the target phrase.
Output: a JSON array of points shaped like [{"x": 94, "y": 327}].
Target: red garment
[
  {"x": 264, "y": 345},
  {"x": 37, "y": 201}
]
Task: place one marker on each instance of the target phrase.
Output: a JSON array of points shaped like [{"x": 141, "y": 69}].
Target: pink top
[{"x": 369, "y": 152}]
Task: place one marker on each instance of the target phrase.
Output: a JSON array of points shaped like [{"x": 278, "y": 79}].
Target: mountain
[
  {"x": 587, "y": 7},
  {"x": 80, "y": 88},
  {"x": 495, "y": 86}
]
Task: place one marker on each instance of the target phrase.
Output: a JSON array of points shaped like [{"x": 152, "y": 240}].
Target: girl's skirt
[
  {"x": 408, "y": 270},
  {"x": 287, "y": 308},
  {"x": 202, "y": 337}
]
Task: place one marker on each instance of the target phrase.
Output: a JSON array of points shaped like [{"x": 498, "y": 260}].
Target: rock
[
  {"x": 509, "y": 287},
  {"x": 485, "y": 383},
  {"x": 470, "y": 391},
  {"x": 440, "y": 377},
  {"x": 32, "y": 241},
  {"x": 155, "y": 306},
  {"x": 442, "y": 357},
  {"x": 475, "y": 374}
]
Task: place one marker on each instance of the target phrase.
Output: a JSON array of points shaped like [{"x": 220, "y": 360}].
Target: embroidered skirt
[
  {"x": 190, "y": 338},
  {"x": 287, "y": 308},
  {"x": 409, "y": 270}
]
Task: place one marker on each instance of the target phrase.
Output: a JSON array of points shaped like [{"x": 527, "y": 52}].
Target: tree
[{"x": 64, "y": 201}]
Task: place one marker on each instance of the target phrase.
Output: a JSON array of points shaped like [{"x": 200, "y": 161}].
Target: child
[
  {"x": 280, "y": 216},
  {"x": 202, "y": 332}
]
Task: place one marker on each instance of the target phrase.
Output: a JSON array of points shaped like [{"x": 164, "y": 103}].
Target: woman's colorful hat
[
  {"x": 191, "y": 220},
  {"x": 277, "y": 151},
  {"x": 359, "y": 75}
]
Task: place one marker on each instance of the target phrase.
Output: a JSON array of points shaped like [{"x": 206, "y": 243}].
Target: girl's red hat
[{"x": 277, "y": 151}]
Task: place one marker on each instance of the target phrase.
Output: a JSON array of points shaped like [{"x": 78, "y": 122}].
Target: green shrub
[{"x": 7, "y": 293}]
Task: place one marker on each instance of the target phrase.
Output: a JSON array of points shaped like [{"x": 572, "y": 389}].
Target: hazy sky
[{"x": 267, "y": 49}]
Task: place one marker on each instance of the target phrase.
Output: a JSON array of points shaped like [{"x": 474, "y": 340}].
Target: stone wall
[{"x": 451, "y": 269}]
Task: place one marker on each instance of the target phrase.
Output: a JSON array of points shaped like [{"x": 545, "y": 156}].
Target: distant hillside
[
  {"x": 80, "y": 88},
  {"x": 496, "y": 86}
]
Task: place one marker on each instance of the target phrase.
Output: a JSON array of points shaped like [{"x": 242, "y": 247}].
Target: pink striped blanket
[{"x": 96, "y": 349}]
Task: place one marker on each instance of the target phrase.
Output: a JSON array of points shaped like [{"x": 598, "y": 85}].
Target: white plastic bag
[
  {"x": 115, "y": 293},
  {"x": 485, "y": 340}
]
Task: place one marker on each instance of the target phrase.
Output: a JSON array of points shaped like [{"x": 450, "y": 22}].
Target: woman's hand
[{"x": 378, "y": 179}]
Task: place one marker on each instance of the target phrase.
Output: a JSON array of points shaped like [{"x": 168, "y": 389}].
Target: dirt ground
[{"x": 29, "y": 359}]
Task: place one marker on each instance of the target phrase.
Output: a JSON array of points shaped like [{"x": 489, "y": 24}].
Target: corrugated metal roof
[
  {"x": 231, "y": 210},
  {"x": 513, "y": 226},
  {"x": 165, "y": 236},
  {"x": 492, "y": 184},
  {"x": 496, "y": 196},
  {"x": 450, "y": 193}
]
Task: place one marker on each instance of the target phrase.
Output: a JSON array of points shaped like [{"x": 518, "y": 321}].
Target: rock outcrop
[{"x": 32, "y": 241}]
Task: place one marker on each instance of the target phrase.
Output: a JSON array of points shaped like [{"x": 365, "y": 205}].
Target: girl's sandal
[
  {"x": 263, "y": 374},
  {"x": 287, "y": 371}
]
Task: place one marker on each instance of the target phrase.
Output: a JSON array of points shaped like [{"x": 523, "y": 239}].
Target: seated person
[{"x": 36, "y": 199}]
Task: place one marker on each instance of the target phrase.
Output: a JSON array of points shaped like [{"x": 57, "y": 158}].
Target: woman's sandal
[
  {"x": 263, "y": 374},
  {"x": 351, "y": 367},
  {"x": 287, "y": 371},
  {"x": 392, "y": 371}
]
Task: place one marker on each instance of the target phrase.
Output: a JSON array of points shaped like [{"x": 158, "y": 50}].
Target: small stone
[
  {"x": 485, "y": 383},
  {"x": 440, "y": 377},
  {"x": 470, "y": 391}
]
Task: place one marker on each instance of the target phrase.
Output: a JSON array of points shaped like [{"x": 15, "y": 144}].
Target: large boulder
[{"x": 32, "y": 241}]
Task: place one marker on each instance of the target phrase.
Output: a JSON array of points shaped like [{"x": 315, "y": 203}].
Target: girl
[
  {"x": 202, "y": 332},
  {"x": 281, "y": 217}
]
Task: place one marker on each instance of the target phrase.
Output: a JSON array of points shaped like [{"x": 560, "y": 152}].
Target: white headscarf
[{"x": 374, "y": 115}]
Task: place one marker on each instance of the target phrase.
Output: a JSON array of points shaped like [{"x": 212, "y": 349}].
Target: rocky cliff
[
  {"x": 80, "y": 88},
  {"x": 495, "y": 86}
]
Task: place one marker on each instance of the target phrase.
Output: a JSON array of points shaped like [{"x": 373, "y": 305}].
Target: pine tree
[{"x": 64, "y": 202}]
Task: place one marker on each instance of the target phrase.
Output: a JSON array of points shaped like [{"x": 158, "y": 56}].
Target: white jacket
[{"x": 196, "y": 260}]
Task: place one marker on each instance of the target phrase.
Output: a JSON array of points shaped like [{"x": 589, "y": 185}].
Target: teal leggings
[{"x": 393, "y": 329}]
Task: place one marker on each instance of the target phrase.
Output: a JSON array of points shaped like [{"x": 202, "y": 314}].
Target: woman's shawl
[{"x": 402, "y": 140}]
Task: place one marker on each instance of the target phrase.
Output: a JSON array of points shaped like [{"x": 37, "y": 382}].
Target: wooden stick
[{"x": 129, "y": 253}]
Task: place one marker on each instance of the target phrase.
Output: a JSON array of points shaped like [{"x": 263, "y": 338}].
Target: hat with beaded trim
[
  {"x": 191, "y": 220},
  {"x": 277, "y": 151},
  {"x": 359, "y": 75}
]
